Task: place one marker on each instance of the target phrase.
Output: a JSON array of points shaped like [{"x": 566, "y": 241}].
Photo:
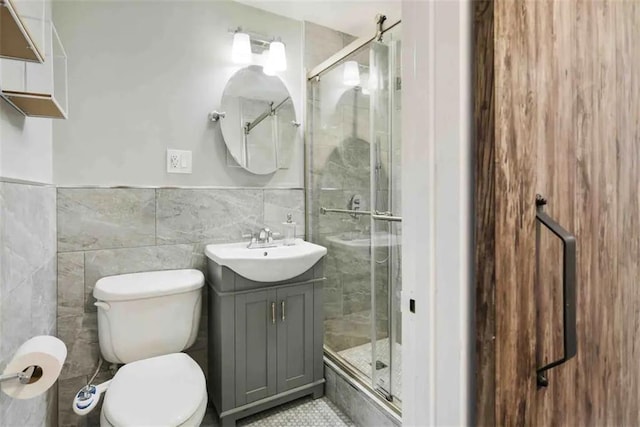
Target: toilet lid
[{"x": 160, "y": 391}]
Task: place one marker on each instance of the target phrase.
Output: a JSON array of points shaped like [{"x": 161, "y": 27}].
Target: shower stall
[{"x": 353, "y": 207}]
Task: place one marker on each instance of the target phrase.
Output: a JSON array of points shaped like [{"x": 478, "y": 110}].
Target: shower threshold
[{"x": 363, "y": 382}]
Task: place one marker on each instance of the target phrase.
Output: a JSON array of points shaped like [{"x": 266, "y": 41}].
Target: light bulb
[
  {"x": 351, "y": 74},
  {"x": 267, "y": 66},
  {"x": 241, "y": 49},
  {"x": 277, "y": 56}
]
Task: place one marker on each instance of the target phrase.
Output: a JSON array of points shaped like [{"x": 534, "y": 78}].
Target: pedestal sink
[{"x": 267, "y": 264}]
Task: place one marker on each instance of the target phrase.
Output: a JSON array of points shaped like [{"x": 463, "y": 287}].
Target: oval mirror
[{"x": 260, "y": 127}]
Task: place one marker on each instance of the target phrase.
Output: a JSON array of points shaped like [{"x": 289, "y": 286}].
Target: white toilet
[{"x": 145, "y": 320}]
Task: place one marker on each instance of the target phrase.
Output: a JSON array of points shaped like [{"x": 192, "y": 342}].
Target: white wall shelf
[
  {"x": 22, "y": 30},
  {"x": 38, "y": 90}
]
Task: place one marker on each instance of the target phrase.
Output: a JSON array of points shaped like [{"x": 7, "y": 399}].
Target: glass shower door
[
  {"x": 353, "y": 171},
  {"x": 384, "y": 84}
]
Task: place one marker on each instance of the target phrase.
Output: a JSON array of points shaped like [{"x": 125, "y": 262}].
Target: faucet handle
[{"x": 253, "y": 237}]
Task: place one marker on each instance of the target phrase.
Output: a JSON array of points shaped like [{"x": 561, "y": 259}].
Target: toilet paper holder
[{"x": 24, "y": 377}]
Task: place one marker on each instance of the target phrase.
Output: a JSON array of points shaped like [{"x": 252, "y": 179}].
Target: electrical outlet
[
  {"x": 174, "y": 160},
  {"x": 179, "y": 161}
]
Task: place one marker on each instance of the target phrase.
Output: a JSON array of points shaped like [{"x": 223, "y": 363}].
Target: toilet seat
[{"x": 168, "y": 390}]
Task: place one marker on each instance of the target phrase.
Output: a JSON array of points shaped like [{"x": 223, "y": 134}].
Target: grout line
[
  {"x": 84, "y": 282},
  {"x": 155, "y": 214}
]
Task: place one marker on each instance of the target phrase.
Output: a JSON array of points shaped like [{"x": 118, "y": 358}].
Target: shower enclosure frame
[{"x": 355, "y": 376}]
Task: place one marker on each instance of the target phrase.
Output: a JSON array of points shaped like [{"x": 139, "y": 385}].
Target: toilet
[{"x": 145, "y": 320}]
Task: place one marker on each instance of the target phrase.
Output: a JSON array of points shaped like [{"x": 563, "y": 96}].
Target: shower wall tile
[
  {"x": 27, "y": 286},
  {"x": 320, "y": 43},
  {"x": 110, "y": 262},
  {"x": 105, "y": 218},
  {"x": 70, "y": 283},
  {"x": 278, "y": 203},
  {"x": 203, "y": 215}
]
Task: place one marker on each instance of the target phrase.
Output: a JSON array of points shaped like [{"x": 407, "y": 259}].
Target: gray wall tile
[
  {"x": 27, "y": 286},
  {"x": 27, "y": 230},
  {"x": 322, "y": 42},
  {"x": 80, "y": 333},
  {"x": 357, "y": 406},
  {"x": 278, "y": 203},
  {"x": 204, "y": 215},
  {"x": 110, "y": 262},
  {"x": 116, "y": 222},
  {"x": 105, "y": 218},
  {"x": 70, "y": 283}
]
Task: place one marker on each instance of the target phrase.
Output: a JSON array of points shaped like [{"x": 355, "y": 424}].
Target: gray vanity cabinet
[
  {"x": 295, "y": 337},
  {"x": 255, "y": 342},
  {"x": 265, "y": 341},
  {"x": 274, "y": 342}
]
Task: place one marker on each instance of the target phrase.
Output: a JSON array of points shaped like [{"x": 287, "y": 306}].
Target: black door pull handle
[{"x": 568, "y": 290}]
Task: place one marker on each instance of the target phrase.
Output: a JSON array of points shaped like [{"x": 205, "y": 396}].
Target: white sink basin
[{"x": 267, "y": 264}]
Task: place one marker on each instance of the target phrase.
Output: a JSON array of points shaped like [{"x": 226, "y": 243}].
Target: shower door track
[
  {"x": 362, "y": 381},
  {"x": 346, "y": 51}
]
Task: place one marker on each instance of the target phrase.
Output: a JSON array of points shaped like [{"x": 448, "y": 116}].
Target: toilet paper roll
[{"x": 44, "y": 351}]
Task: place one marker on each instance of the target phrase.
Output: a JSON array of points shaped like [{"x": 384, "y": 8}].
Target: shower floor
[{"x": 360, "y": 358}]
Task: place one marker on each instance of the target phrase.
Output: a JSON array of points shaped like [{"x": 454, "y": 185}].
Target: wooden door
[
  {"x": 557, "y": 112},
  {"x": 255, "y": 335},
  {"x": 295, "y": 337}
]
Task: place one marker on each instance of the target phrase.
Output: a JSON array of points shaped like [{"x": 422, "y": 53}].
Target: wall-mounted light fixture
[
  {"x": 267, "y": 65},
  {"x": 351, "y": 74},
  {"x": 277, "y": 56},
  {"x": 272, "y": 51},
  {"x": 241, "y": 49}
]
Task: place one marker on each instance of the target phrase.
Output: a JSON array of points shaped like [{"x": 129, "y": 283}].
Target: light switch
[{"x": 179, "y": 161}]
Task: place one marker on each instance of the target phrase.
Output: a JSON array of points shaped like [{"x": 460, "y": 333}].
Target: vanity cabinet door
[
  {"x": 295, "y": 336},
  {"x": 256, "y": 323}
]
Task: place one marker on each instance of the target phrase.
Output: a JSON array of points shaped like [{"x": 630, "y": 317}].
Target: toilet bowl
[{"x": 167, "y": 390}]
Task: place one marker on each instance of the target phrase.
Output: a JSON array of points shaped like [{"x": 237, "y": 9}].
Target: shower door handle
[
  {"x": 568, "y": 289},
  {"x": 385, "y": 216}
]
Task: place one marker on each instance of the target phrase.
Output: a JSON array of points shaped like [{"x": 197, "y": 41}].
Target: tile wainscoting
[
  {"x": 107, "y": 231},
  {"x": 27, "y": 287}
]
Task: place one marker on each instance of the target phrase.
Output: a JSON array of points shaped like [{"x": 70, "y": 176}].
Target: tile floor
[{"x": 304, "y": 412}]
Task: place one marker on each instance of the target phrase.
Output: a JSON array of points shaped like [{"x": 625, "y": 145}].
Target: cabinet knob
[{"x": 282, "y": 307}]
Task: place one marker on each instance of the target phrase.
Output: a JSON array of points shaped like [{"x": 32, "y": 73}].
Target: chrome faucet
[{"x": 261, "y": 239}]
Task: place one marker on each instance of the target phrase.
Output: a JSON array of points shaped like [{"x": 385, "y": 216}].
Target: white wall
[
  {"x": 25, "y": 146},
  {"x": 436, "y": 206},
  {"x": 142, "y": 78},
  {"x": 25, "y": 142}
]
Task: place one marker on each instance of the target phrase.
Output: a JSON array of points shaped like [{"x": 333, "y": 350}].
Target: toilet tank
[{"x": 149, "y": 314}]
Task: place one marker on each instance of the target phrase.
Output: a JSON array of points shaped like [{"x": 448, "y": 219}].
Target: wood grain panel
[
  {"x": 628, "y": 214},
  {"x": 484, "y": 116},
  {"x": 566, "y": 125}
]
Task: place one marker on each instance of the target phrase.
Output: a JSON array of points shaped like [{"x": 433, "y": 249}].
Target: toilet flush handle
[{"x": 102, "y": 305}]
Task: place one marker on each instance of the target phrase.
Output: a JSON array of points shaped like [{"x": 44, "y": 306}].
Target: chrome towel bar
[{"x": 382, "y": 216}]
